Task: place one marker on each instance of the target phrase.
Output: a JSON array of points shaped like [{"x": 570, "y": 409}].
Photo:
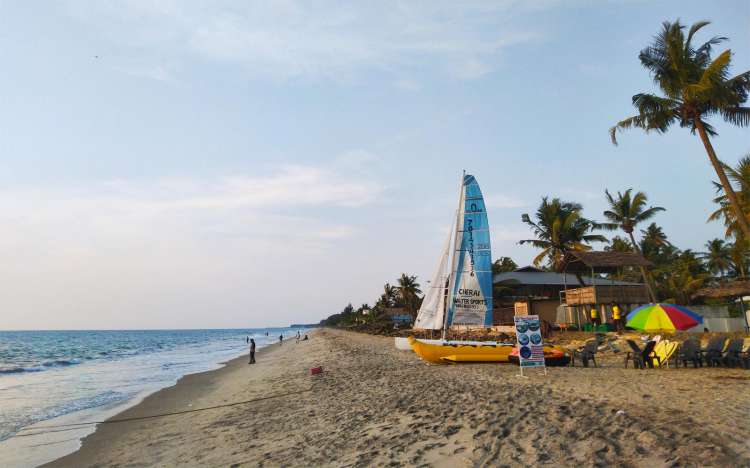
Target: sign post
[{"x": 529, "y": 339}]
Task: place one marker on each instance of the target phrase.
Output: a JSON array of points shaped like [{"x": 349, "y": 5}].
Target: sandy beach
[{"x": 375, "y": 405}]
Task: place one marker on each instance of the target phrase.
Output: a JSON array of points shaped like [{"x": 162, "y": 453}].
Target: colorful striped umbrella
[{"x": 667, "y": 317}]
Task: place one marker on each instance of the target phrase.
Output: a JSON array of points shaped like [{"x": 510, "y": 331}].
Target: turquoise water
[{"x": 48, "y": 374}]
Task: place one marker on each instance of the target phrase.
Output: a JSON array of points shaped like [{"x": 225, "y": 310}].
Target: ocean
[{"x": 62, "y": 376}]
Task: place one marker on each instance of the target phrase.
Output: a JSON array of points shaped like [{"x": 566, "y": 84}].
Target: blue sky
[{"x": 228, "y": 164}]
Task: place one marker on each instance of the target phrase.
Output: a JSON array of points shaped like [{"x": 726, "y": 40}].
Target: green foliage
[
  {"x": 627, "y": 210},
  {"x": 503, "y": 264},
  {"x": 694, "y": 85},
  {"x": 718, "y": 257},
  {"x": 408, "y": 293},
  {"x": 559, "y": 227},
  {"x": 739, "y": 176},
  {"x": 618, "y": 244}
]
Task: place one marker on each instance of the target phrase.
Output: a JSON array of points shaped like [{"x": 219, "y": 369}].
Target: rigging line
[{"x": 152, "y": 416}]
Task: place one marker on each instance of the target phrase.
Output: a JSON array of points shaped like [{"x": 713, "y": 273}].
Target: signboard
[{"x": 529, "y": 339}]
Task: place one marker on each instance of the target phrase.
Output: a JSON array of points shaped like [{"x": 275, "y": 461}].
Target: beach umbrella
[{"x": 666, "y": 317}]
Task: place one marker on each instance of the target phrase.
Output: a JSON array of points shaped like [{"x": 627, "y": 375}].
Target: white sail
[{"x": 432, "y": 311}]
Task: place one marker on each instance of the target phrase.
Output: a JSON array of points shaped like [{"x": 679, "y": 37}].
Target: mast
[{"x": 452, "y": 274}]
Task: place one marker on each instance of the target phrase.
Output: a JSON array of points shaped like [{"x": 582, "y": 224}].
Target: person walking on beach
[
  {"x": 281, "y": 339},
  {"x": 252, "y": 351},
  {"x": 298, "y": 337}
]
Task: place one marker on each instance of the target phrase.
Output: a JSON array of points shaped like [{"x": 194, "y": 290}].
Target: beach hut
[
  {"x": 732, "y": 291},
  {"x": 603, "y": 292}
]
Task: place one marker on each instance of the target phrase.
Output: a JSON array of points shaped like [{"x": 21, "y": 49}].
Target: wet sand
[{"x": 375, "y": 405}]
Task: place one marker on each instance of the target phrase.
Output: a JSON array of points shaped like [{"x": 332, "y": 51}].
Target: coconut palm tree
[
  {"x": 389, "y": 296},
  {"x": 655, "y": 245},
  {"x": 618, "y": 244},
  {"x": 408, "y": 292},
  {"x": 694, "y": 87},
  {"x": 559, "y": 228},
  {"x": 740, "y": 176},
  {"x": 740, "y": 257},
  {"x": 503, "y": 264},
  {"x": 718, "y": 256},
  {"x": 626, "y": 212},
  {"x": 654, "y": 236}
]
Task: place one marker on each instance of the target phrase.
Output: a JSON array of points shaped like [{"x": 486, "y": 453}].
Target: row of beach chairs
[{"x": 717, "y": 353}]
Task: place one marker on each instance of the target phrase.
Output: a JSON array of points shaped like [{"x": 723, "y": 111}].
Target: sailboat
[{"x": 460, "y": 291}]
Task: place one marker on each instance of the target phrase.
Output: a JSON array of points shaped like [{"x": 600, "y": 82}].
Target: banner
[{"x": 529, "y": 339}]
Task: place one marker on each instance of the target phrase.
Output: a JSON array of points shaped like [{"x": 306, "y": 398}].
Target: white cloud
[
  {"x": 312, "y": 39},
  {"x": 258, "y": 211},
  {"x": 503, "y": 201},
  {"x": 406, "y": 84},
  {"x": 132, "y": 254}
]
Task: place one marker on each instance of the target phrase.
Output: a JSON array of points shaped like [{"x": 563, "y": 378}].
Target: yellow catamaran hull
[{"x": 460, "y": 352}]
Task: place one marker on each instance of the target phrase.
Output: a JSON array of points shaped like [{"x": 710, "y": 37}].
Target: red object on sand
[{"x": 316, "y": 370}]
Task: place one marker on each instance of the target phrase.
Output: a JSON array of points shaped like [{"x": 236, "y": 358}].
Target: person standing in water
[{"x": 252, "y": 351}]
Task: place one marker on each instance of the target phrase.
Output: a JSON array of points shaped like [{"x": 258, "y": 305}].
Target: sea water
[{"x": 49, "y": 377}]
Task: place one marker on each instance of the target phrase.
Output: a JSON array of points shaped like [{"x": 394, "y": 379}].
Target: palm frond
[
  {"x": 739, "y": 116},
  {"x": 625, "y": 124},
  {"x": 691, "y": 32}
]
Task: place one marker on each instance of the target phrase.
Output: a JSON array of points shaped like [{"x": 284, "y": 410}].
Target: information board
[{"x": 529, "y": 339}]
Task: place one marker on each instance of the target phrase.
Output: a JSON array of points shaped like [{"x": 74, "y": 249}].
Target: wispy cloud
[
  {"x": 503, "y": 201},
  {"x": 312, "y": 39},
  {"x": 250, "y": 206}
]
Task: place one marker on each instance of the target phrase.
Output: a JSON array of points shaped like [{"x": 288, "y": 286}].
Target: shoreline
[
  {"x": 374, "y": 405},
  {"x": 173, "y": 396}
]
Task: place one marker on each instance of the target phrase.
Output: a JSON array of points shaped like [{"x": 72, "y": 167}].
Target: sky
[{"x": 182, "y": 164}]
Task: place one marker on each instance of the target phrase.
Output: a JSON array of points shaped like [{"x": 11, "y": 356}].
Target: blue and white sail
[{"x": 470, "y": 287}]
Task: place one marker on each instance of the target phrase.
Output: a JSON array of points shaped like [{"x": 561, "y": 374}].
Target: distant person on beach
[
  {"x": 298, "y": 337},
  {"x": 266, "y": 333},
  {"x": 617, "y": 318},
  {"x": 281, "y": 339},
  {"x": 594, "y": 316},
  {"x": 252, "y": 351},
  {"x": 305, "y": 338},
  {"x": 247, "y": 339}
]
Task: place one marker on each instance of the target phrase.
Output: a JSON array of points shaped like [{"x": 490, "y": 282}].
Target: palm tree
[
  {"x": 618, "y": 244},
  {"x": 655, "y": 245},
  {"x": 740, "y": 256},
  {"x": 654, "y": 236},
  {"x": 503, "y": 264},
  {"x": 695, "y": 87},
  {"x": 718, "y": 256},
  {"x": 559, "y": 228},
  {"x": 740, "y": 175},
  {"x": 388, "y": 298},
  {"x": 408, "y": 291},
  {"x": 626, "y": 212}
]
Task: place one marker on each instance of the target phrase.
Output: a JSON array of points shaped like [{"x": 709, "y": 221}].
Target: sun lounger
[
  {"x": 713, "y": 353},
  {"x": 731, "y": 356},
  {"x": 745, "y": 356},
  {"x": 689, "y": 351},
  {"x": 641, "y": 357},
  {"x": 586, "y": 353}
]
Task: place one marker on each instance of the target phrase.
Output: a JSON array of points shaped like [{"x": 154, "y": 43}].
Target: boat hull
[
  {"x": 458, "y": 351},
  {"x": 554, "y": 356}
]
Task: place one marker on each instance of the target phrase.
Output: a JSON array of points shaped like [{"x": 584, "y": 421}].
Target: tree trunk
[
  {"x": 728, "y": 190},
  {"x": 646, "y": 279}
]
